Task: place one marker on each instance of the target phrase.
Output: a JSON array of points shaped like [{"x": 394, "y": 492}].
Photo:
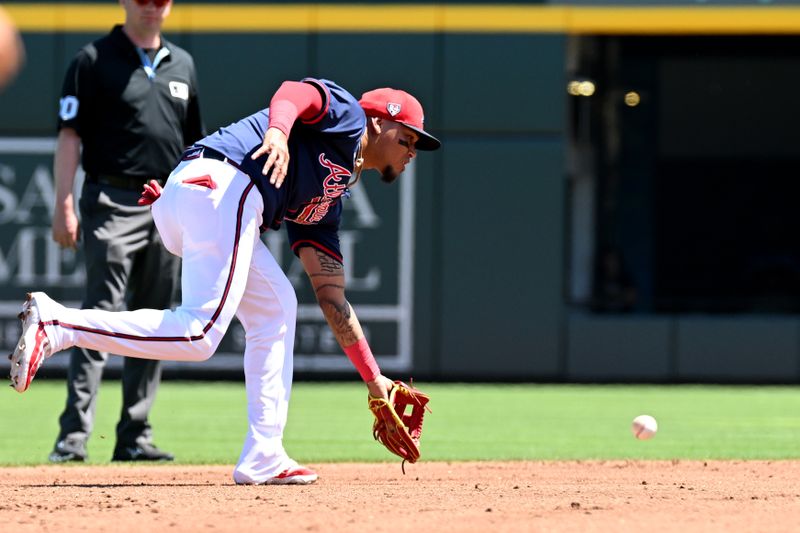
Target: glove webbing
[{"x": 400, "y": 433}]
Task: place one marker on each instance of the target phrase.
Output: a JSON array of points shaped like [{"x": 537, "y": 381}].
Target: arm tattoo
[
  {"x": 328, "y": 286},
  {"x": 330, "y": 269},
  {"x": 328, "y": 263},
  {"x": 318, "y": 275},
  {"x": 339, "y": 320},
  {"x": 337, "y": 310}
]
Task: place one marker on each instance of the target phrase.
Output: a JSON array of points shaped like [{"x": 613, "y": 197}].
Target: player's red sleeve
[{"x": 292, "y": 100}]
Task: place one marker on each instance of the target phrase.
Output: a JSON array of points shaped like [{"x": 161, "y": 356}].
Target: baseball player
[{"x": 290, "y": 164}]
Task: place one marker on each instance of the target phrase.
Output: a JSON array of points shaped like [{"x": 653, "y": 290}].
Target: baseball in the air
[{"x": 644, "y": 427}]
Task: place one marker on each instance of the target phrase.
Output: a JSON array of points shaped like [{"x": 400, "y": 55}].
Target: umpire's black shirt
[{"x": 131, "y": 123}]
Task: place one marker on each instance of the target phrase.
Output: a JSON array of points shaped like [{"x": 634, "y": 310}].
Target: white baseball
[{"x": 644, "y": 427}]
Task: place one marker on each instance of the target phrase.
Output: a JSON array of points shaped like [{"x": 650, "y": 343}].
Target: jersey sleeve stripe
[
  {"x": 314, "y": 244},
  {"x": 326, "y": 100}
]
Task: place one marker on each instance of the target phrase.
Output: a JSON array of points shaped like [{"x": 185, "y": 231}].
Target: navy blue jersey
[{"x": 322, "y": 153}]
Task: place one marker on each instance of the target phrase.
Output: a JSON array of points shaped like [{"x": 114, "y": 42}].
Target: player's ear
[{"x": 375, "y": 124}]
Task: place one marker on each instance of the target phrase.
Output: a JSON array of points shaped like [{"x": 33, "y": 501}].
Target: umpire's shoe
[
  {"x": 141, "y": 451},
  {"x": 68, "y": 450}
]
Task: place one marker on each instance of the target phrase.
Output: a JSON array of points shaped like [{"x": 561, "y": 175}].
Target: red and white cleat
[
  {"x": 299, "y": 475},
  {"x": 33, "y": 346}
]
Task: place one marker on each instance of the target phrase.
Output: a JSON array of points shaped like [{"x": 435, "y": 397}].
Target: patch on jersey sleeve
[
  {"x": 179, "y": 90},
  {"x": 68, "y": 108}
]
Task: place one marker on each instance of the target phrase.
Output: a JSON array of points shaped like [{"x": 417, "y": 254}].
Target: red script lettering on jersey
[{"x": 333, "y": 186}]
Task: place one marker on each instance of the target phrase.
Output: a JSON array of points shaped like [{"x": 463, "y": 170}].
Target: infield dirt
[{"x": 603, "y": 496}]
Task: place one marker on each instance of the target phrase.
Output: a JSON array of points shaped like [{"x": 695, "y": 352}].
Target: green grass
[{"x": 204, "y": 422}]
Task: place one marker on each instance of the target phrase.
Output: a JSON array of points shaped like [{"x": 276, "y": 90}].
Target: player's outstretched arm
[{"x": 327, "y": 278}]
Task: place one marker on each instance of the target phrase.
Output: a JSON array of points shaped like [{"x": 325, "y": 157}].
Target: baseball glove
[
  {"x": 394, "y": 428},
  {"x": 151, "y": 193}
]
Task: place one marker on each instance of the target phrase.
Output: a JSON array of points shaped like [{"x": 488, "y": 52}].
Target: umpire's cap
[{"x": 400, "y": 107}]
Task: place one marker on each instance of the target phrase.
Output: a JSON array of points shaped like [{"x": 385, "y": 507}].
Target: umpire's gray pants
[{"x": 124, "y": 257}]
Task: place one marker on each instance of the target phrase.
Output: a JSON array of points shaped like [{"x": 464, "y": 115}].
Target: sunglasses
[{"x": 158, "y": 3}]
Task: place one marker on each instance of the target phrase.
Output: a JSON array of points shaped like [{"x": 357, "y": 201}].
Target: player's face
[
  {"x": 398, "y": 147},
  {"x": 146, "y": 15}
]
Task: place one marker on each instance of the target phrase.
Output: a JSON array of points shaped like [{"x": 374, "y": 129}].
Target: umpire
[{"x": 130, "y": 101}]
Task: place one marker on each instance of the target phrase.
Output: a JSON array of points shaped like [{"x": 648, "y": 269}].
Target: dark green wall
[{"x": 683, "y": 348}]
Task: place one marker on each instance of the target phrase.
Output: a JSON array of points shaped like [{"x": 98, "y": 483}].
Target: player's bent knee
[
  {"x": 203, "y": 343},
  {"x": 202, "y": 349},
  {"x": 207, "y": 352}
]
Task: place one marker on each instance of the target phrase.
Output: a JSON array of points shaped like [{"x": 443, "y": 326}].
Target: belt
[
  {"x": 205, "y": 152},
  {"x": 120, "y": 182}
]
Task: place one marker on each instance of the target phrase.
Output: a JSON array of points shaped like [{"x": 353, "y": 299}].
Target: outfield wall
[{"x": 463, "y": 270}]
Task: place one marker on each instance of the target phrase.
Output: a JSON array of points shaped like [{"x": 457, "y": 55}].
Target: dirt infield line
[{"x": 585, "y": 496}]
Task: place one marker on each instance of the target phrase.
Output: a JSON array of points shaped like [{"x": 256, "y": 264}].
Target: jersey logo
[
  {"x": 179, "y": 90},
  {"x": 333, "y": 186},
  {"x": 68, "y": 108},
  {"x": 393, "y": 108}
]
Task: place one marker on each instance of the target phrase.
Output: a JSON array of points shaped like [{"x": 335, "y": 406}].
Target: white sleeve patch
[
  {"x": 179, "y": 90},
  {"x": 68, "y": 108}
]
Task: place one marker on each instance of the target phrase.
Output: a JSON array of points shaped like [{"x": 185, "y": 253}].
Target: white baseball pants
[{"x": 227, "y": 270}]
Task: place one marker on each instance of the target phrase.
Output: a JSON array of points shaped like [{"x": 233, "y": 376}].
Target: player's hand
[
  {"x": 276, "y": 145},
  {"x": 380, "y": 387},
  {"x": 65, "y": 227}
]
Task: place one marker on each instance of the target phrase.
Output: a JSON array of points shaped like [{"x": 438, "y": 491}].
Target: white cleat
[
  {"x": 33, "y": 346},
  {"x": 299, "y": 475},
  {"x": 295, "y": 475}
]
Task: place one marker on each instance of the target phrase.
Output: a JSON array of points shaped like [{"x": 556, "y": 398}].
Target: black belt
[
  {"x": 205, "y": 152},
  {"x": 120, "y": 182}
]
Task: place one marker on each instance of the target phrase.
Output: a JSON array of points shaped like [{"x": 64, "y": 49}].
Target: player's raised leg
[{"x": 217, "y": 229}]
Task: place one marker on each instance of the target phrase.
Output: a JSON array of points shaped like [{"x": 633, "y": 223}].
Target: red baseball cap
[{"x": 400, "y": 107}]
